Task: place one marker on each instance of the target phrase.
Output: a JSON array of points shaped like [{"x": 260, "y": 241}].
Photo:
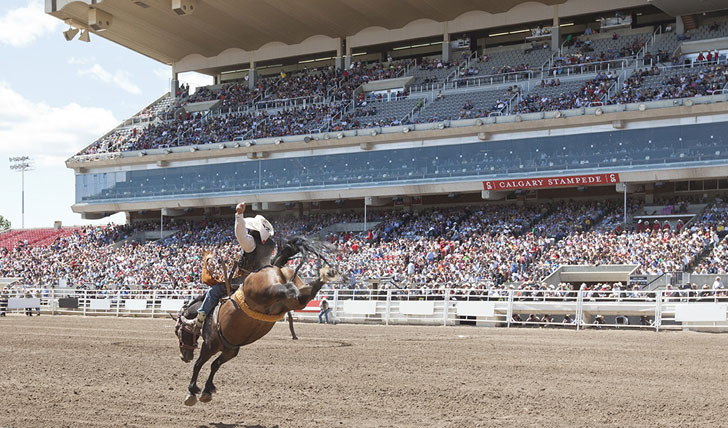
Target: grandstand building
[{"x": 326, "y": 105}]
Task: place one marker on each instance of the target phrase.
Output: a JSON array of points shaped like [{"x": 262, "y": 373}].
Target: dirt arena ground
[{"x": 72, "y": 371}]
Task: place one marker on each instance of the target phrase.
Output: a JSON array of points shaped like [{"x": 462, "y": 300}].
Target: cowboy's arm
[{"x": 247, "y": 243}]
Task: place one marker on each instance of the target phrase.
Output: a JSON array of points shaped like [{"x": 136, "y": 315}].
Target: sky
[{"x": 56, "y": 97}]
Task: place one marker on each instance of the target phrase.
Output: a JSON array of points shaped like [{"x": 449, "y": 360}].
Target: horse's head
[{"x": 186, "y": 339}]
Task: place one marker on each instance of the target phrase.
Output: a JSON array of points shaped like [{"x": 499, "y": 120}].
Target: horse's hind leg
[
  {"x": 290, "y": 325},
  {"x": 226, "y": 355},
  {"x": 205, "y": 354}
]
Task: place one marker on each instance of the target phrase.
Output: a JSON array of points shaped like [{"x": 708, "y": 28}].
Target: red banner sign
[{"x": 544, "y": 182}]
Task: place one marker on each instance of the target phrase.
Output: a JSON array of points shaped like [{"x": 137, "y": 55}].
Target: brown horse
[
  {"x": 251, "y": 312},
  {"x": 184, "y": 333}
]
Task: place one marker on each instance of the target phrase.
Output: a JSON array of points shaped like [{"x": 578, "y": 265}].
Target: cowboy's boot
[{"x": 199, "y": 322}]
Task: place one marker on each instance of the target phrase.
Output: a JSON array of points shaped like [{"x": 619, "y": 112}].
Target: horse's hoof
[
  {"x": 206, "y": 397},
  {"x": 190, "y": 400}
]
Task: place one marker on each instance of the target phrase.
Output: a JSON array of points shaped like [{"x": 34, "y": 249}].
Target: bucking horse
[{"x": 264, "y": 296}]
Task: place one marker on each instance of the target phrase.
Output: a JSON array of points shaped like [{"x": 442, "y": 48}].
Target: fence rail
[{"x": 579, "y": 309}]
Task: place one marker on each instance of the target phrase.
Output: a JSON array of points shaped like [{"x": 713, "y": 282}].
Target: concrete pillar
[
  {"x": 174, "y": 85},
  {"x": 446, "y": 48},
  {"x": 251, "y": 75},
  {"x": 679, "y": 25},
  {"x": 339, "y": 60},
  {"x": 556, "y": 31},
  {"x": 347, "y": 57}
]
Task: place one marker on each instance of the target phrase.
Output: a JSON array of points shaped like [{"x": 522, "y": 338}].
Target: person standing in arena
[
  {"x": 39, "y": 297},
  {"x": 324, "y": 310},
  {"x": 248, "y": 245}
]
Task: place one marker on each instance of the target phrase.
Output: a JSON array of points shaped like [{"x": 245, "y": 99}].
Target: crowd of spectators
[
  {"x": 328, "y": 93},
  {"x": 707, "y": 80},
  {"x": 592, "y": 92},
  {"x": 476, "y": 248}
]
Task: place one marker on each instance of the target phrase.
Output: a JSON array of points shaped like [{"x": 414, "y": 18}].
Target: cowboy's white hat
[{"x": 262, "y": 225}]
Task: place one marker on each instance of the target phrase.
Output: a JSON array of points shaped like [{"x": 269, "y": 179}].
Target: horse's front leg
[
  {"x": 205, "y": 354},
  {"x": 226, "y": 355}
]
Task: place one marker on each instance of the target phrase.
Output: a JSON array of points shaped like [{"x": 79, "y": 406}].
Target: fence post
[
  {"x": 579, "y": 316},
  {"x": 446, "y": 310},
  {"x": 336, "y": 304},
  {"x": 509, "y": 312},
  {"x": 52, "y": 302},
  {"x": 154, "y": 301},
  {"x": 118, "y": 301},
  {"x": 658, "y": 311},
  {"x": 389, "y": 302},
  {"x": 85, "y": 301}
]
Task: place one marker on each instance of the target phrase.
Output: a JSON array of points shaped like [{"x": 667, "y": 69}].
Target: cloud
[
  {"x": 22, "y": 26},
  {"x": 164, "y": 73},
  {"x": 119, "y": 78},
  {"x": 47, "y": 133},
  {"x": 79, "y": 61}
]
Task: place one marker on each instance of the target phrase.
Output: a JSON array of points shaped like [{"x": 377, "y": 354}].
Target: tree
[{"x": 4, "y": 223}]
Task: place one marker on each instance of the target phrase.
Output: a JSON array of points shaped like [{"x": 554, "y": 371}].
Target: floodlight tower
[{"x": 22, "y": 164}]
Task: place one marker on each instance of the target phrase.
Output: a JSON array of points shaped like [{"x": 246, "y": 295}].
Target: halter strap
[{"x": 239, "y": 298}]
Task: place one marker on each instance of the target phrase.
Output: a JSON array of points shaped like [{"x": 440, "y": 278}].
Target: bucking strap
[{"x": 240, "y": 300}]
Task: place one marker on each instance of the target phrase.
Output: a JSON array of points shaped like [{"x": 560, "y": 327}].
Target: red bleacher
[{"x": 34, "y": 237}]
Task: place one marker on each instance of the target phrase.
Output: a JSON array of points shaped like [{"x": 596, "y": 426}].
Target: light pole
[{"x": 22, "y": 164}]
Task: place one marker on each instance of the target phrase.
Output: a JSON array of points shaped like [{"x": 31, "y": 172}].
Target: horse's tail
[{"x": 300, "y": 245}]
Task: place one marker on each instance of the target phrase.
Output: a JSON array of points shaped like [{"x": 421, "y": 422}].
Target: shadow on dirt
[{"x": 238, "y": 425}]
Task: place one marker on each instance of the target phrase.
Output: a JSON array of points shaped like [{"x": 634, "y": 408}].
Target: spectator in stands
[
  {"x": 717, "y": 284},
  {"x": 534, "y": 320},
  {"x": 599, "y": 320},
  {"x": 546, "y": 320}
]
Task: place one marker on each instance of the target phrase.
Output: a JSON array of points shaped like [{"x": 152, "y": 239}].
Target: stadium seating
[
  {"x": 383, "y": 113},
  {"x": 451, "y": 106},
  {"x": 509, "y": 60},
  {"x": 711, "y": 31},
  {"x": 33, "y": 237}
]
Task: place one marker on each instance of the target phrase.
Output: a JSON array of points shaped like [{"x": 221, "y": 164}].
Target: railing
[
  {"x": 409, "y": 118},
  {"x": 579, "y": 309},
  {"x": 509, "y": 105},
  {"x": 288, "y": 102},
  {"x": 611, "y": 91},
  {"x": 426, "y": 87},
  {"x": 657, "y": 32},
  {"x": 404, "y": 71},
  {"x": 590, "y": 67},
  {"x": 456, "y": 71}
]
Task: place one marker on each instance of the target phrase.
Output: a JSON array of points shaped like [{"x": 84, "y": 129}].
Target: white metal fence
[{"x": 665, "y": 309}]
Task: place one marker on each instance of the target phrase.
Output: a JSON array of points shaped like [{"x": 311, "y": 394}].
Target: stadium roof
[
  {"x": 152, "y": 28},
  {"x": 684, "y": 7}
]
